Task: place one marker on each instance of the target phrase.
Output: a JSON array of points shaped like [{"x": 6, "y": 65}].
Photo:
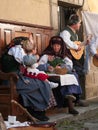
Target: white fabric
[
  {"x": 36, "y": 71},
  {"x": 66, "y": 37},
  {"x": 90, "y": 22},
  {"x": 68, "y": 64},
  {"x": 35, "y": 65},
  {"x": 18, "y": 53},
  {"x": 16, "y": 124},
  {"x": 43, "y": 59},
  {"x": 66, "y": 79},
  {"x": 94, "y": 46}
]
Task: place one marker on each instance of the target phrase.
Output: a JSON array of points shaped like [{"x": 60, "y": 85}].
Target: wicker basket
[{"x": 61, "y": 71}]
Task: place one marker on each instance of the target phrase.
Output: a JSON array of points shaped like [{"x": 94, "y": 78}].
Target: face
[
  {"x": 34, "y": 51},
  {"x": 56, "y": 48},
  {"x": 77, "y": 26}
]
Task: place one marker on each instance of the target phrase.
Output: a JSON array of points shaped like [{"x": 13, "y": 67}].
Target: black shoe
[
  {"x": 73, "y": 111},
  {"x": 40, "y": 115},
  {"x": 44, "y": 118}
]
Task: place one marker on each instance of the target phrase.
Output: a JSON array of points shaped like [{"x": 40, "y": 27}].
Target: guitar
[
  {"x": 95, "y": 60},
  {"x": 78, "y": 54}
]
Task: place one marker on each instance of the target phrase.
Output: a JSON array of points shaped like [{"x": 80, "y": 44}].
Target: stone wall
[
  {"x": 91, "y": 5},
  {"x": 91, "y": 85},
  {"x": 91, "y": 82},
  {"x": 77, "y": 2},
  {"x": 27, "y": 11}
]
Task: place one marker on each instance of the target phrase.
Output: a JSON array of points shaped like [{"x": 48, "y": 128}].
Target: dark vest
[
  {"x": 73, "y": 35},
  {"x": 72, "y": 38}
]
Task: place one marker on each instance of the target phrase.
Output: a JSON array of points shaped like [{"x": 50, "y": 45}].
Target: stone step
[{"x": 84, "y": 113}]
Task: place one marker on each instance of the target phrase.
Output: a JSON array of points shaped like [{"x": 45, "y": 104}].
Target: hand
[
  {"x": 50, "y": 68},
  {"x": 79, "y": 48},
  {"x": 89, "y": 37},
  {"x": 96, "y": 56},
  {"x": 37, "y": 56},
  {"x": 31, "y": 38},
  {"x": 58, "y": 66},
  {"x": 50, "y": 58}
]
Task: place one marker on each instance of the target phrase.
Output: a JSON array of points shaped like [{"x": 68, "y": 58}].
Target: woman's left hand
[{"x": 58, "y": 66}]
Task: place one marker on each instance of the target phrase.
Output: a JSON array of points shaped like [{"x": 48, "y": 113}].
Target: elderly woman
[
  {"x": 34, "y": 93},
  {"x": 56, "y": 56}
]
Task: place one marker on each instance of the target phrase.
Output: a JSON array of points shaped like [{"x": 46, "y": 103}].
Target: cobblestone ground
[{"x": 88, "y": 124}]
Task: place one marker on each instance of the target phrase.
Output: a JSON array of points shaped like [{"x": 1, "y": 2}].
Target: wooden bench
[{"x": 8, "y": 94}]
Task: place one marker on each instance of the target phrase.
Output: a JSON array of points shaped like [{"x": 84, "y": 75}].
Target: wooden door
[{"x": 9, "y": 31}]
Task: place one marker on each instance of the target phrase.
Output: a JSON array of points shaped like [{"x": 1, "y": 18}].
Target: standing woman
[{"x": 56, "y": 56}]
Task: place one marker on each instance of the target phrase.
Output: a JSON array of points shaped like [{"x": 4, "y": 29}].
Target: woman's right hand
[
  {"x": 50, "y": 68},
  {"x": 50, "y": 58}
]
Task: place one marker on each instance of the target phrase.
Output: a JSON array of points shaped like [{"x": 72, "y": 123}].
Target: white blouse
[{"x": 68, "y": 63}]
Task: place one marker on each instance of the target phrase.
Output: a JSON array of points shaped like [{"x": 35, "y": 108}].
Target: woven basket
[{"x": 61, "y": 71}]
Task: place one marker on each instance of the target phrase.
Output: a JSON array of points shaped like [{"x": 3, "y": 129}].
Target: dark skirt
[{"x": 71, "y": 89}]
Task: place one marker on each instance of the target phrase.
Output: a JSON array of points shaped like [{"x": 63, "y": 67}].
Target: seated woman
[
  {"x": 34, "y": 93},
  {"x": 56, "y": 56}
]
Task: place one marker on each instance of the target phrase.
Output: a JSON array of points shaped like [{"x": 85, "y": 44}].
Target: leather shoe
[
  {"x": 40, "y": 115},
  {"x": 73, "y": 111}
]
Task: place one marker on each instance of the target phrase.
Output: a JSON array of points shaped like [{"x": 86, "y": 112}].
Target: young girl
[{"x": 30, "y": 61}]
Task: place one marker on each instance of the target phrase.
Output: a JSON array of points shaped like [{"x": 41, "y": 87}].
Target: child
[{"x": 30, "y": 61}]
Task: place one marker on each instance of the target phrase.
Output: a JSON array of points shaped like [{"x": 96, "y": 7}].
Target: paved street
[
  {"x": 89, "y": 124},
  {"x": 86, "y": 120}
]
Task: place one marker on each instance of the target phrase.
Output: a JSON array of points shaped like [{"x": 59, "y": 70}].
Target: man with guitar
[
  {"x": 74, "y": 47},
  {"x": 70, "y": 37}
]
